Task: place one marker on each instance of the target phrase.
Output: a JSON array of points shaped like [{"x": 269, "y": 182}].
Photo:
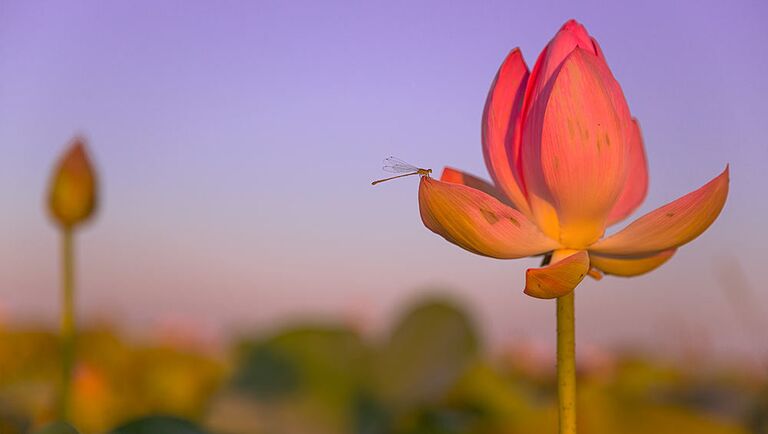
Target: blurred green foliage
[
  {"x": 427, "y": 375},
  {"x": 57, "y": 428},
  {"x": 114, "y": 380},
  {"x": 158, "y": 425},
  {"x": 406, "y": 370}
]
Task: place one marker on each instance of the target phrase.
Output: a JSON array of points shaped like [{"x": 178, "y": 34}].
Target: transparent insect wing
[{"x": 396, "y": 165}]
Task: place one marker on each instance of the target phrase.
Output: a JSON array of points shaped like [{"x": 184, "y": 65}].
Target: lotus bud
[{"x": 73, "y": 190}]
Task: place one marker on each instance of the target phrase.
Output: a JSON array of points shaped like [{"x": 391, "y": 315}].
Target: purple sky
[{"x": 236, "y": 144}]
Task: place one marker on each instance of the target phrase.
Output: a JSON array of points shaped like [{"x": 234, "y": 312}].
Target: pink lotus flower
[{"x": 567, "y": 161}]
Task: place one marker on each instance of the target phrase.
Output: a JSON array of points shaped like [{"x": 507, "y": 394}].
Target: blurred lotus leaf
[
  {"x": 440, "y": 420},
  {"x": 302, "y": 358},
  {"x": 58, "y": 428},
  {"x": 370, "y": 416},
  {"x": 502, "y": 400},
  {"x": 266, "y": 374},
  {"x": 428, "y": 350},
  {"x": 757, "y": 417},
  {"x": 312, "y": 372},
  {"x": 158, "y": 425}
]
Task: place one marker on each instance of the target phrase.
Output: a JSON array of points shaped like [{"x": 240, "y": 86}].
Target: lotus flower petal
[
  {"x": 595, "y": 273},
  {"x": 570, "y": 36},
  {"x": 574, "y": 151},
  {"x": 670, "y": 226},
  {"x": 478, "y": 222},
  {"x": 501, "y": 128},
  {"x": 627, "y": 267},
  {"x": 561, "y": 276},
  {"x": 458, "y": 177},
  {"x": 636, "y": 185}
]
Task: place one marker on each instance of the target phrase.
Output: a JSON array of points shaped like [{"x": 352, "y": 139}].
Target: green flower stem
[
  {"x": 566, "y": 364},
  {"x": 67, "y": 324}
]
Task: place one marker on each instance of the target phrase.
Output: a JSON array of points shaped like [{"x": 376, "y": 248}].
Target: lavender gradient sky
[{"x": 236, "y": 143}]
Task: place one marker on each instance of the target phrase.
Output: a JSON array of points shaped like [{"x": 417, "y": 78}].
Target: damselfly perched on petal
[{"x": 396, "y": 165}]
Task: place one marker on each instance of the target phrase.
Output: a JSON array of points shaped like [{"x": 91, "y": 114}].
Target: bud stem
[
  {"x": 67, "y": 324},
  {"x": 566, "y": 364}
]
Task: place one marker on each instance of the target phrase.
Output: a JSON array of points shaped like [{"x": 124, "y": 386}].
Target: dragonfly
[{"x": 396, "y": 165}]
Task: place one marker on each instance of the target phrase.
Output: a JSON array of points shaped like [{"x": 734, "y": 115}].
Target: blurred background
[{"x": 242, "y": 272}]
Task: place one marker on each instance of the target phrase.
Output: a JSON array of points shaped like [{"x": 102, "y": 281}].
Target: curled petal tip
[
  {"x": 566, "y": 271},
  {"x": 576, "y": 28},
  {"x": 514, "y": 52},
  {"x": 595, "y": 273}
]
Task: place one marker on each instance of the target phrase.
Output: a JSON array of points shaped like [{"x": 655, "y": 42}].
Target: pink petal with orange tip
[
  {"x": 561, "y": 276},
  {"x": 670, "y": 226},
  {"x": 501, "y": 127},
  {"x": 458, "y": 177},
  {"x": 628, "y": 267},
  {"x": 478, "y": 222},
  {"x": 636, "y": 184},
  {"x": 574, "y": 151}
]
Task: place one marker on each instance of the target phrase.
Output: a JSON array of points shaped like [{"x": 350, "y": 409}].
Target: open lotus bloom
[{"x": 567, "y": 161}]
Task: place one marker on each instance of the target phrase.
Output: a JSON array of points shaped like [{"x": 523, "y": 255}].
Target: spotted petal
[
  {"x": 560, "y": 277},
  {"x": 670, "y": 226},
  {"x": 627, "y": 267},
  {"x": 478, "y": 222},
  {"x": 574, "y": 151}
]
